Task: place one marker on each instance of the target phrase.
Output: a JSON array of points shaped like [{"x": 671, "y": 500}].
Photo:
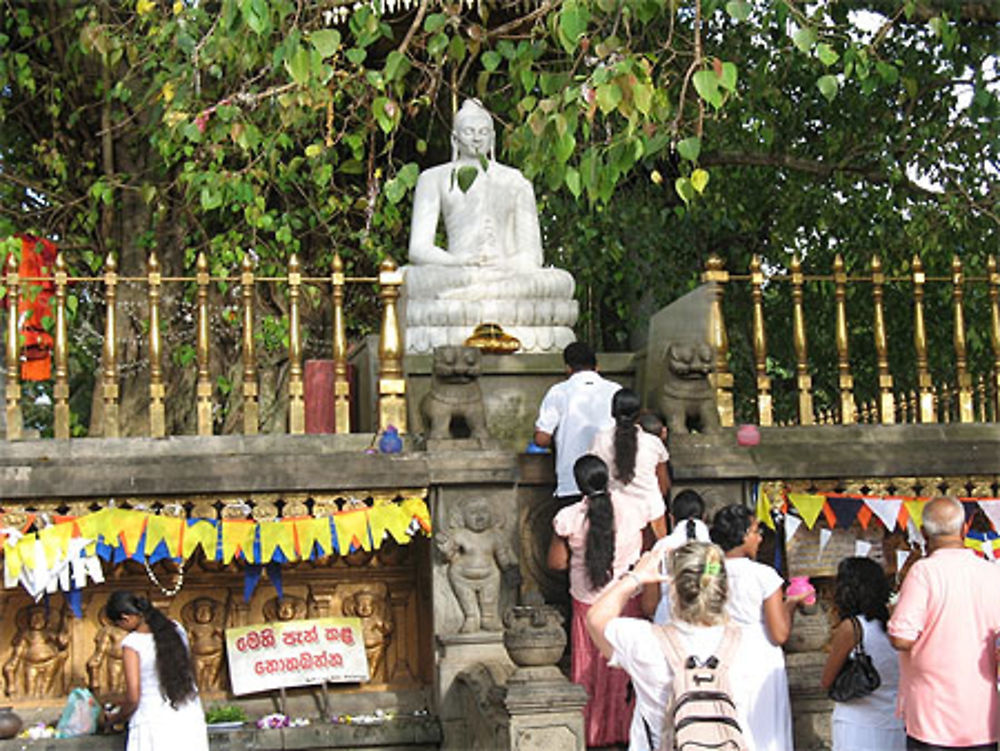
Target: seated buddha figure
[{"x": 492, "y": 269}]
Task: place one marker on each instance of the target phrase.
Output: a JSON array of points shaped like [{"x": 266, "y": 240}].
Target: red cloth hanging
[{"x": 38, "y": 257}]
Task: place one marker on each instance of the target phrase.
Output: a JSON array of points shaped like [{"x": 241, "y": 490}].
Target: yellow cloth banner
[
  {"x": 100, "y": 523},
  {"x": 130, "y": 526},
  {"x": 277, "y": 534},
  {"x": 352, "y": 526},
  {"x": 238, "y": 534},
  {"x": 164, "y": 529},
  {"x": 201, "y": 534},
  {"x": 808, "y": 506},
  {"x": 312, "y": 531}
]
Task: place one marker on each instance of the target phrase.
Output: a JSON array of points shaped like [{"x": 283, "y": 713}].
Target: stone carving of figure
[
  {"x": 106, "y": 667},
  {"x": 491, "y": 271},
  {"x": 476, "y": 550},
  {"x": 204, "y": 619},
  {"x": 455, "y": 393},
  {"x": 686, "y": 394},
  {"x": 288, "y": 608},
  {"x": 38, "y": 654},
  {"x": 376, "y": 625}
]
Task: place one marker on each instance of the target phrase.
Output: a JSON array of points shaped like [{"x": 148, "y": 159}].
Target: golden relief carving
[
  {"x": 38, "y": 653},
  {"x": 204, "y": 619},
  {"x": 106, "y": 667},
  {"x": 371, "y": 605}
]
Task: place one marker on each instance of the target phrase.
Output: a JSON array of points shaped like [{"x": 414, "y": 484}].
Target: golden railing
[
  {"x": 965, "y": 397},
  {"x": 391, "y": 386}
]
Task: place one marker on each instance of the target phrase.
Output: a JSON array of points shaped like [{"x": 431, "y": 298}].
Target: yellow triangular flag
[
  {"x": 12, "y": 563},
  {"x": 55, "y": 541},
  {"x": 808, "y": 506},
  {"x": 164, "y": 529},
  {"x": 130, "y": 526},
  {"x": 764, "y": 509},
  {"x": 916, "y": 511},
  {"x": 238, "y": 534},
  {"x": 389, "y": 517},
  {"x": 98, "y": 524},
  {"x": 203, "y": 534},
  {"x": 277, "y": 534},
  {"x": 352, "y": 526},
  {"x": 312, "y": 531},
  {"x": 26, "y": 550},
  {"x": 416, "y": 508}
]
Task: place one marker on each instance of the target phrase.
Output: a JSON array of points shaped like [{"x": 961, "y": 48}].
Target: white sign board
[{"x": 292, "y": 653}]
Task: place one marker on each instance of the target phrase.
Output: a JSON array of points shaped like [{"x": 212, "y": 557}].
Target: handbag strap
[{"x": 859, "y": 635}]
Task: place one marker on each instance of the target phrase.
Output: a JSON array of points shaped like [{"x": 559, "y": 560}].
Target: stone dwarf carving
[
  {"x": 371, "y": 605},
  {"x": 205, "y": 619},
  {"x": 686, "y": 394},
  {"x": 492, "y": 268},
  {"x": 288, "y": 608},
  {"x": 38, "y": 655},
  {"x": 476, "y": 549},
  {"x": 106, "y": 666},
  {"x": 454, "y": 393}
]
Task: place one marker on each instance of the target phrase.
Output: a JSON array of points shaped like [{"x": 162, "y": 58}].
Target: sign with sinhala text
[{"x": 266, "y": 656}]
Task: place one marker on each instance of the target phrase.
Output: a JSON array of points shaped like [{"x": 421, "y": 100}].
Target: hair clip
[{"x": 712, "y": 568}]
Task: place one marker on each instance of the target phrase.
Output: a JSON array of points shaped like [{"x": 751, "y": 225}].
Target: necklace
[{"x": 177, "y": 585}]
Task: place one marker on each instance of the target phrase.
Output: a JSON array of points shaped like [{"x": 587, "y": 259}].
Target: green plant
[{"x": 225, "y": 713}]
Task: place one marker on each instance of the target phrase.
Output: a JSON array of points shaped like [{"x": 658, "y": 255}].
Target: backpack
[{"x": 701, "y": 714}]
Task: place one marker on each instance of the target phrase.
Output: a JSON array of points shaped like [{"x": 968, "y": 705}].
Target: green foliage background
[{"x": 656, "y": 133}]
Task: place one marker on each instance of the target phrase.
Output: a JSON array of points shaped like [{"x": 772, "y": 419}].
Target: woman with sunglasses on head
[
  {"x": 758, "y": 604},
  {"x": 161, "y": 702}
]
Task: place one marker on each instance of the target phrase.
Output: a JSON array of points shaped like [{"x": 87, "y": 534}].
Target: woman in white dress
[
  {"x": 868, "y": 723},
  {"x": 757, "y": 603},
  {"x": 161, "y": 703}
]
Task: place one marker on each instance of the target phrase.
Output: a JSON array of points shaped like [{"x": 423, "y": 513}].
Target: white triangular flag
[
  {"x": 792, "y": 524},
  {"x": 915, "y": 536},
  {"x": 988, "y": 550},
  {"x": 862, "y": 548},
  {"x": 902, "y": 556},
  {"x": 825, "y": 535},
  {"x": 886, "y": 509},
  {"x": 992, "y": 511}
]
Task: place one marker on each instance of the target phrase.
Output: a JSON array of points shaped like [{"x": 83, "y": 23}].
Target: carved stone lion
[
  {"x": 455, "y": 395},
  {"x": 686, "y": 395}
]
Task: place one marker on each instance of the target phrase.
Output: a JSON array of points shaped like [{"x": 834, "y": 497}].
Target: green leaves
[
  {"x": 738, "y": 9},
  {"x": 256, "y": 15},
  {"x": 827, "y": 86},
  {"x": 465, "y": 176},
  {"x": 572, "y": 24},
  {"x": 804, "y": 38},
  {"x": 689, "y": 148},
  {"x": 608, "y": 97},
  {"x": 713, "y": 84},
  {"x": 326, "y": 42},
  {"x": 386, "y": 113}
]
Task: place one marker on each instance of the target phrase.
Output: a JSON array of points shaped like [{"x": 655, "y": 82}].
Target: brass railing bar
[
  {"x": 251, "y": 406},
  {"x": 296, "y": 388},
  {"x": 12, "y": 395},
  {"x": 204, "y": 385},
  {"x": 110, "y": 381},
  {"x": 157, "y": 392},
  {"x": 60, "y": 389}
]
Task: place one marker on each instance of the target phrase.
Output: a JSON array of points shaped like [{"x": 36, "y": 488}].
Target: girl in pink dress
[{"x": 597, "y": 539}]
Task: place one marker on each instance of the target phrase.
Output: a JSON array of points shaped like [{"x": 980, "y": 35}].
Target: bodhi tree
[{"x": 272, "y": 127}]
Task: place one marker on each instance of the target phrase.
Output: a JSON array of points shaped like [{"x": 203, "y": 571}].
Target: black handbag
[{"x": 857, "y": 676}]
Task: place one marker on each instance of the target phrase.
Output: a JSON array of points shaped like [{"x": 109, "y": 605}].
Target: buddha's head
[{"x": 472, "y": 133}]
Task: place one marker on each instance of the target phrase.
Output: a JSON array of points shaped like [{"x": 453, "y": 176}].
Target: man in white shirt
[{"x": 571, "y": 413}]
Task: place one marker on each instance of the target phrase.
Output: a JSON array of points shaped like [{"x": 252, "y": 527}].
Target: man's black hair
[{"x": 579, "y": 356}]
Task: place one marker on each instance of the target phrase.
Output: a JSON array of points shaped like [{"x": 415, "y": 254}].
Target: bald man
[{"x": 944, "y": 628}]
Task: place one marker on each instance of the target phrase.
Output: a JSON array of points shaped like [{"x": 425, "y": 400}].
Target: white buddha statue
[{"x": 491, "y": 271}]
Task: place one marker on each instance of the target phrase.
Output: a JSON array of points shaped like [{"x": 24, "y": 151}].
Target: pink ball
[{"x": 748, "y": 435}]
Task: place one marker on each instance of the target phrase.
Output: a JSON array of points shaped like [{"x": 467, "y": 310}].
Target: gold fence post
[
  {"x": 887, "y": 403},
  {"x": 110, "y": 385},
  {"x": 204, "y": 385},
  {"x": 296, "y": 390},
  {"x": 15, "y": 418},
  {"x": 391, "y": 384},
  {"x": 845, "y": 379},
  {"x": 341, "y": 388},
  {"x": 994, "y": 293},
  {"x": 924, "y": 385},
  {"x": 60, "y": 390},
  {"x": 765, "y": 404},
  {"x": 157, "y": 391},
  {"x": 966, "y": 413},
  {"x": 720, "y": 379},
  {"x": 802, "y": 378},
  {"x": 251, "y": 407}
]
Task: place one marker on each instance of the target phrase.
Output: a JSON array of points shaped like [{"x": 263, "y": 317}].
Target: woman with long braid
[
  {"x": 597, "y": 539},
  {"x": 161, "y": 702},
  {"x": 637, "y": 459}
]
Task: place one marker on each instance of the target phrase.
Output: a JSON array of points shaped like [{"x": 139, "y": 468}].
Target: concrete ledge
[{"x": 399, "y": 733}]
